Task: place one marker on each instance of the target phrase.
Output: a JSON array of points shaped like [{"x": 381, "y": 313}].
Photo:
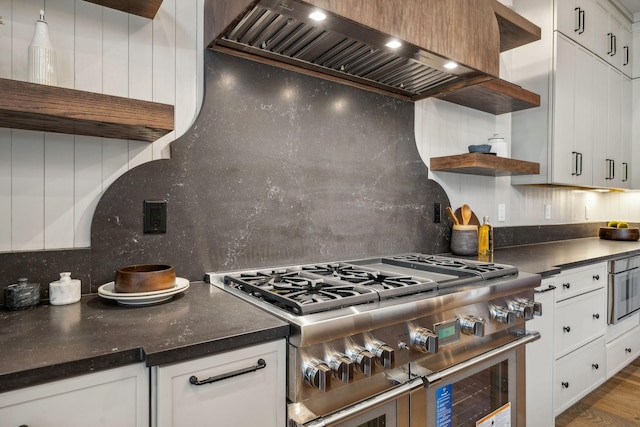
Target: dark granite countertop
[
  {"x": 53, "y": 342},
  {"x": 550, "y": 258}
]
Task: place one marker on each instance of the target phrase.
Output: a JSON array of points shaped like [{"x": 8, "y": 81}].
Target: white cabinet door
[
  {"x": 573, "y": 114},
  {"x": 601, "y": 123},
  {"x": 622, "y": 350},
  {"x": 608, "y": 167},
  {"x": 577, "y": 374},
  {"x": 116, "y": 397},
  {"x": 539, "y": 357},
  {"x": 575, "y": 19},
  {"x": 578, "y": 321},
  {"x": 255, "y": 398},
  {"x": 627, "y": 141}
]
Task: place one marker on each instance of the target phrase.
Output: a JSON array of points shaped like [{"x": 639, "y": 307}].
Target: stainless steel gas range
[{"x": 393, "y": 340}]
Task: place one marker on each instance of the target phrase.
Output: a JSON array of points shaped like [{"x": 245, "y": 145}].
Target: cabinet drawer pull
[
  {"x": 550, "y": 288},
  {"x": 628, "y": 350},
  {"x": 566, "y": 328},
  {"x": 595, "y": 366},
  {"x": 565, "y": 384},
  {"x": 596, "y": 316},
  {"x": 566, "y": 285},
  {"x": 260, "y": 364},
  {"x": 596, "y": 277}
]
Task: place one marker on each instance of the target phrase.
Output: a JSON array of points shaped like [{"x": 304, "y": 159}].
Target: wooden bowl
[
  {"x": 145, "y": 278},
  {"x": 611, "y": 233}
]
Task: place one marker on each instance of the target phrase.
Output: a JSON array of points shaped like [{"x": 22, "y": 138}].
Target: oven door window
[
  {"x": 468, "y": 397},
  {"x": 624, "y": 295},
  {"x": 382, "y": 416}
]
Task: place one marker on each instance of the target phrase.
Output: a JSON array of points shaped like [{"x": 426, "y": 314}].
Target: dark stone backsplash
[{"x": 279, "y": 168}]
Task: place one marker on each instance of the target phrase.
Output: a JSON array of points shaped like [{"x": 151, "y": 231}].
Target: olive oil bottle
[{"x": 485, "y": 237}]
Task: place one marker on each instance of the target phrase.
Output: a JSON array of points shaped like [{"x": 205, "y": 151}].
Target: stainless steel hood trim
[{"x": 280, "y": 30}]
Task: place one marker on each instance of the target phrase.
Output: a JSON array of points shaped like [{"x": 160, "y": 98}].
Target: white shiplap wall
[{"x": 51, "y": 183}]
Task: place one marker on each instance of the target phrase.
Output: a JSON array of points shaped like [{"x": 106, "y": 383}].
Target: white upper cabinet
[
  {"x": 575, "y": 19},
  {"x": 581, "y": 134}
]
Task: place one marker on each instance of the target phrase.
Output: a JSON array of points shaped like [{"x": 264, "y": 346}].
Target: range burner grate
[{"x": 300, "y": 294}]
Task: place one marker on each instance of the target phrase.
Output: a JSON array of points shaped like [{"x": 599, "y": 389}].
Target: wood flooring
[{"x": 616, "y": 403}]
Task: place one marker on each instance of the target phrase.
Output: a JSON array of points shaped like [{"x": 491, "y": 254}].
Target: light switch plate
[{"x": 502, "y": 213}]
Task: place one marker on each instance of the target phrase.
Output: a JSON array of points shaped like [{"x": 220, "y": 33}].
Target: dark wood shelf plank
[
  {"x": 144, "y": 8},
  {"x": 495, "y": 96},
  {"x": 483, "y": 164},
  {"x": 38, "y": 107}
]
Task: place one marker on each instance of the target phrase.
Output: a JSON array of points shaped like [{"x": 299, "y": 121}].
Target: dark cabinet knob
[
  {"x": 566, "y": 285},
  {"x": 595, "y": 366},
  {"x": 565, "y": 384},
  {"x": 628, "y": 350},
  {"x": 596, "y": 277},
  {"x": 596, "y": 316},
  {"x": 566, "y": 328}
]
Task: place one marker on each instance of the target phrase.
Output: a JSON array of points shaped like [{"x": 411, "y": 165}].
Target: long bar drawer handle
[{"x": 261, "y": 364}]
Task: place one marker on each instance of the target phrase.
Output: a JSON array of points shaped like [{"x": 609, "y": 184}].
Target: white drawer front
[
  {"x": 577, "y": 374},
  {"x": 578, "y": 320},
  {"x": 622, "y": 350},
  {"x": 579, "y": 280}
]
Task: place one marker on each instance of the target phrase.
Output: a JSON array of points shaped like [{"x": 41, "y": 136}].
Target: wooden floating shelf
[
  {"x": 144, "y": 8},
  {"x": 495, "y": 96},
  {"x": 45, "y": 108},
  {"x": 483, "y": 164}
]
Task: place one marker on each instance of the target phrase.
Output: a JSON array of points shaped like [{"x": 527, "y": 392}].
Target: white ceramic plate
[{"x": 107, "y": 291}]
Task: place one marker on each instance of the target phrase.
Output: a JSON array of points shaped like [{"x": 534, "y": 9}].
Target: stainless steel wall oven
[
  {"x": 624, "y": 288},
  {"x": 403, "y": 340}
]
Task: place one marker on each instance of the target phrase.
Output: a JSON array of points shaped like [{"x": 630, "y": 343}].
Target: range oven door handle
[
  {"x": 408, "y": 387},
  {"x": 436, "y": 377}
]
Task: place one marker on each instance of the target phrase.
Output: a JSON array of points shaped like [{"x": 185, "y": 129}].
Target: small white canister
[
  {"x": 64, "y": 291},
  {"x": 499, "y": 145}
]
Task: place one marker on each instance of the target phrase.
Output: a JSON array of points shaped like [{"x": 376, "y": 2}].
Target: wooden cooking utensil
[
  {"x": 466, "y": 214},
  {"x": 452, "y": 216}
]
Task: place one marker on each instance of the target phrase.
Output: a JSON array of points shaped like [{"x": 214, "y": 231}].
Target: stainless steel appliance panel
[{"x": 624, "y": 288}]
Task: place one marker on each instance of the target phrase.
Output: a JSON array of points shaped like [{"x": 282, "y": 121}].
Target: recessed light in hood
[{"x": 318, "y": 15}]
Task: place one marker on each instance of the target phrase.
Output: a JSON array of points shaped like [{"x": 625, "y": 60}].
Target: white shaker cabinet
[
  {"x": 539, "y": 357},
  {"x": 575, "y": 19},
  {"x": 239, "y": 388},
  {"x": 115, "y": 397},
  {"x": 578, "y": 134},
  {"x": 573, "y": 117}
]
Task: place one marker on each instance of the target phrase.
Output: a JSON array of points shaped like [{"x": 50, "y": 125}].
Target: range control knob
[
  {"x": 363, "y": 359},
  {"x": 383, "y": 353},
  {"x": 317, "y": 374},
  {"x": 536, "y": 307},
  {"x": 502, "y": 314},
  {"x": 472, "y": 325},
  {"x": 521, "y": 309},
  {"x": 342, "y": 367},
  {"x": 424, "y": 340}
]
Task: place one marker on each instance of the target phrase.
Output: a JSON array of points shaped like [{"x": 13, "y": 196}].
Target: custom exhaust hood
[{"x": 443, "y": 48}]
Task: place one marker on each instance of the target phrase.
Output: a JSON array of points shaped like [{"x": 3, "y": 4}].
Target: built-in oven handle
[
  {"x": 436, "y": 377},
  {"x": 413, "y": 384}
]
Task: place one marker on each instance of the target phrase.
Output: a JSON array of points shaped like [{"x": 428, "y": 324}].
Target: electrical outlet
[
  {"x": 437, "y": 212},
  {"x": 502, "y": 213},
  {"x": 586, "y": 212},
  {"x": 547, "y": 211},
  {"x": 155, "y": 217}
]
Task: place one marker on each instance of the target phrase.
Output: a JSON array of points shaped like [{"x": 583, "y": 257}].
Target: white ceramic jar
[
  {"x": 499, "y": 146},
  {"x": 64, "y": 291}
]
